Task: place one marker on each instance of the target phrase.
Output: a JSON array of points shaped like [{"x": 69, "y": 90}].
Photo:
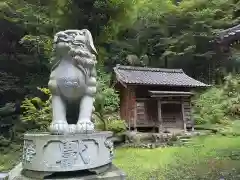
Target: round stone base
[{"x": 60, "y": 153}]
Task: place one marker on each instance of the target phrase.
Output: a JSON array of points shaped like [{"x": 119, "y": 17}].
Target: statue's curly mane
[{"x": 81, "y": 57}]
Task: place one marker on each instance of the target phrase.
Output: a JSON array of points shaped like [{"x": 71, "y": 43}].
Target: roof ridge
[{"x": 152, "y": 69}]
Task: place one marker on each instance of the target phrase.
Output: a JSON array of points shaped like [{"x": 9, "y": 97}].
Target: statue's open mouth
[{"x": 63, "y": 38}]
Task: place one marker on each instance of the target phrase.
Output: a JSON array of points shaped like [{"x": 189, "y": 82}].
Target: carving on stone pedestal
[
  {"x": 109, "y": 144},
  {"x": 29, "y": 151},
  {"x": 70, "y": 152},
  {"x": 83, "y": 153}
]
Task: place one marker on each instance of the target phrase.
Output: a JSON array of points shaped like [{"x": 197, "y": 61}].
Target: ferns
[{"x": 38, "y": 111}]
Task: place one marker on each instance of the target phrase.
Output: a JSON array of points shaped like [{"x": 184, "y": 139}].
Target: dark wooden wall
[
  {"x": 187, "y": 108},
  {"x": 146, "y": 113},
  {"x": 127, "y": 104}
]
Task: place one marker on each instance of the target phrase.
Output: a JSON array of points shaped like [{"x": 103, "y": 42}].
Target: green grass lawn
[{"x": 181, "y": 162}]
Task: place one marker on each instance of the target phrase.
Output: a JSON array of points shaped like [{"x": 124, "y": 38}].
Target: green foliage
[
  {"x": 218, "y": 104},
  {"x": 9, "y": 108},
  {"x": 39, "y": 20},
  {"x": 208, "y": 107},
  {"x": 123, "y": 13},
  {"x": 7, "y": 119},
  {"x": 8, "y": 82},
  {"x": 231, "y": 91},
  {"x": 115, "y": 125},
  {"x": 107, "y": 99},
  {"x": 37, "y": 112}
]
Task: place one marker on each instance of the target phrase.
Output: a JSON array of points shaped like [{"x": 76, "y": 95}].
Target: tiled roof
[
  {"x": 155, "y": 76},
  {"x": 229, "y": 35}
]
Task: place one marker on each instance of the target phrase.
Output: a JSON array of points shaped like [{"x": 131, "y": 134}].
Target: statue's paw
[
  {"x": 59, "y": 128},
  {"x": 84, "y": 127},
  {"x": 71, "y": 128}
]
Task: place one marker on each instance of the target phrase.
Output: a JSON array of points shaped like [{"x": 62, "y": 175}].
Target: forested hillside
[{"x": 153, "y": 33}]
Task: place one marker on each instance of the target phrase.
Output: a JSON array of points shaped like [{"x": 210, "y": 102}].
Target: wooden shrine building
[{"x": 155, "y": 99}]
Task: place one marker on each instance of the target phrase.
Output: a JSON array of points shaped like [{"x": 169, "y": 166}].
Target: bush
[
  {"x": 208, "y": 107},
  {"x": 218, "y": 105},
  {"x": 107, "y": 99},
  {"x": 37, "y": 113},
  {"x": 115, "y": 125}
]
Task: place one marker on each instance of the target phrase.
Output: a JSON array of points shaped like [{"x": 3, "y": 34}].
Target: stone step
[
  {"x": 197, "y": 145},
  {"x": 184, "y": 137},
  {"x": 185, "y": 140}
]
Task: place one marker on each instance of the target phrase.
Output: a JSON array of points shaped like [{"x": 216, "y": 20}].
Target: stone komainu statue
[{"x": 73, "y": 81}]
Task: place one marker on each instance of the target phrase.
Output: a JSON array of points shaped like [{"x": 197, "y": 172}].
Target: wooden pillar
[
  {"x": 135, "y": 116},
  {"x": 191, "y": 118},
  {"x": 183, "y": 116},
  {"x": 125, "y": 106},
  {"x": 134, "y": 108},
  {"x": 159, "y": 116},
  {"x": 131, "y": 106},
  {"x": 123, "y": 102}
]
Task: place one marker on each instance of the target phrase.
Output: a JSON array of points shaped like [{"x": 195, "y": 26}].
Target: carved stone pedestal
[
  {"x": 61, "y": 153},
  {"x": 46, "y": 156}
]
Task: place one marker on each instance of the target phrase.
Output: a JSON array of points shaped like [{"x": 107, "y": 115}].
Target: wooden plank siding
[
  {"x": 128, "y": 105},
  {"x": 184, "y": 115},
  {"x": 146, "y": 115},
  {"x": 187, "y": 110},
  {"x": 141, "y": 113},
  {"x": 123, "y": 103},
  {"x": 187, "y": 107}
]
